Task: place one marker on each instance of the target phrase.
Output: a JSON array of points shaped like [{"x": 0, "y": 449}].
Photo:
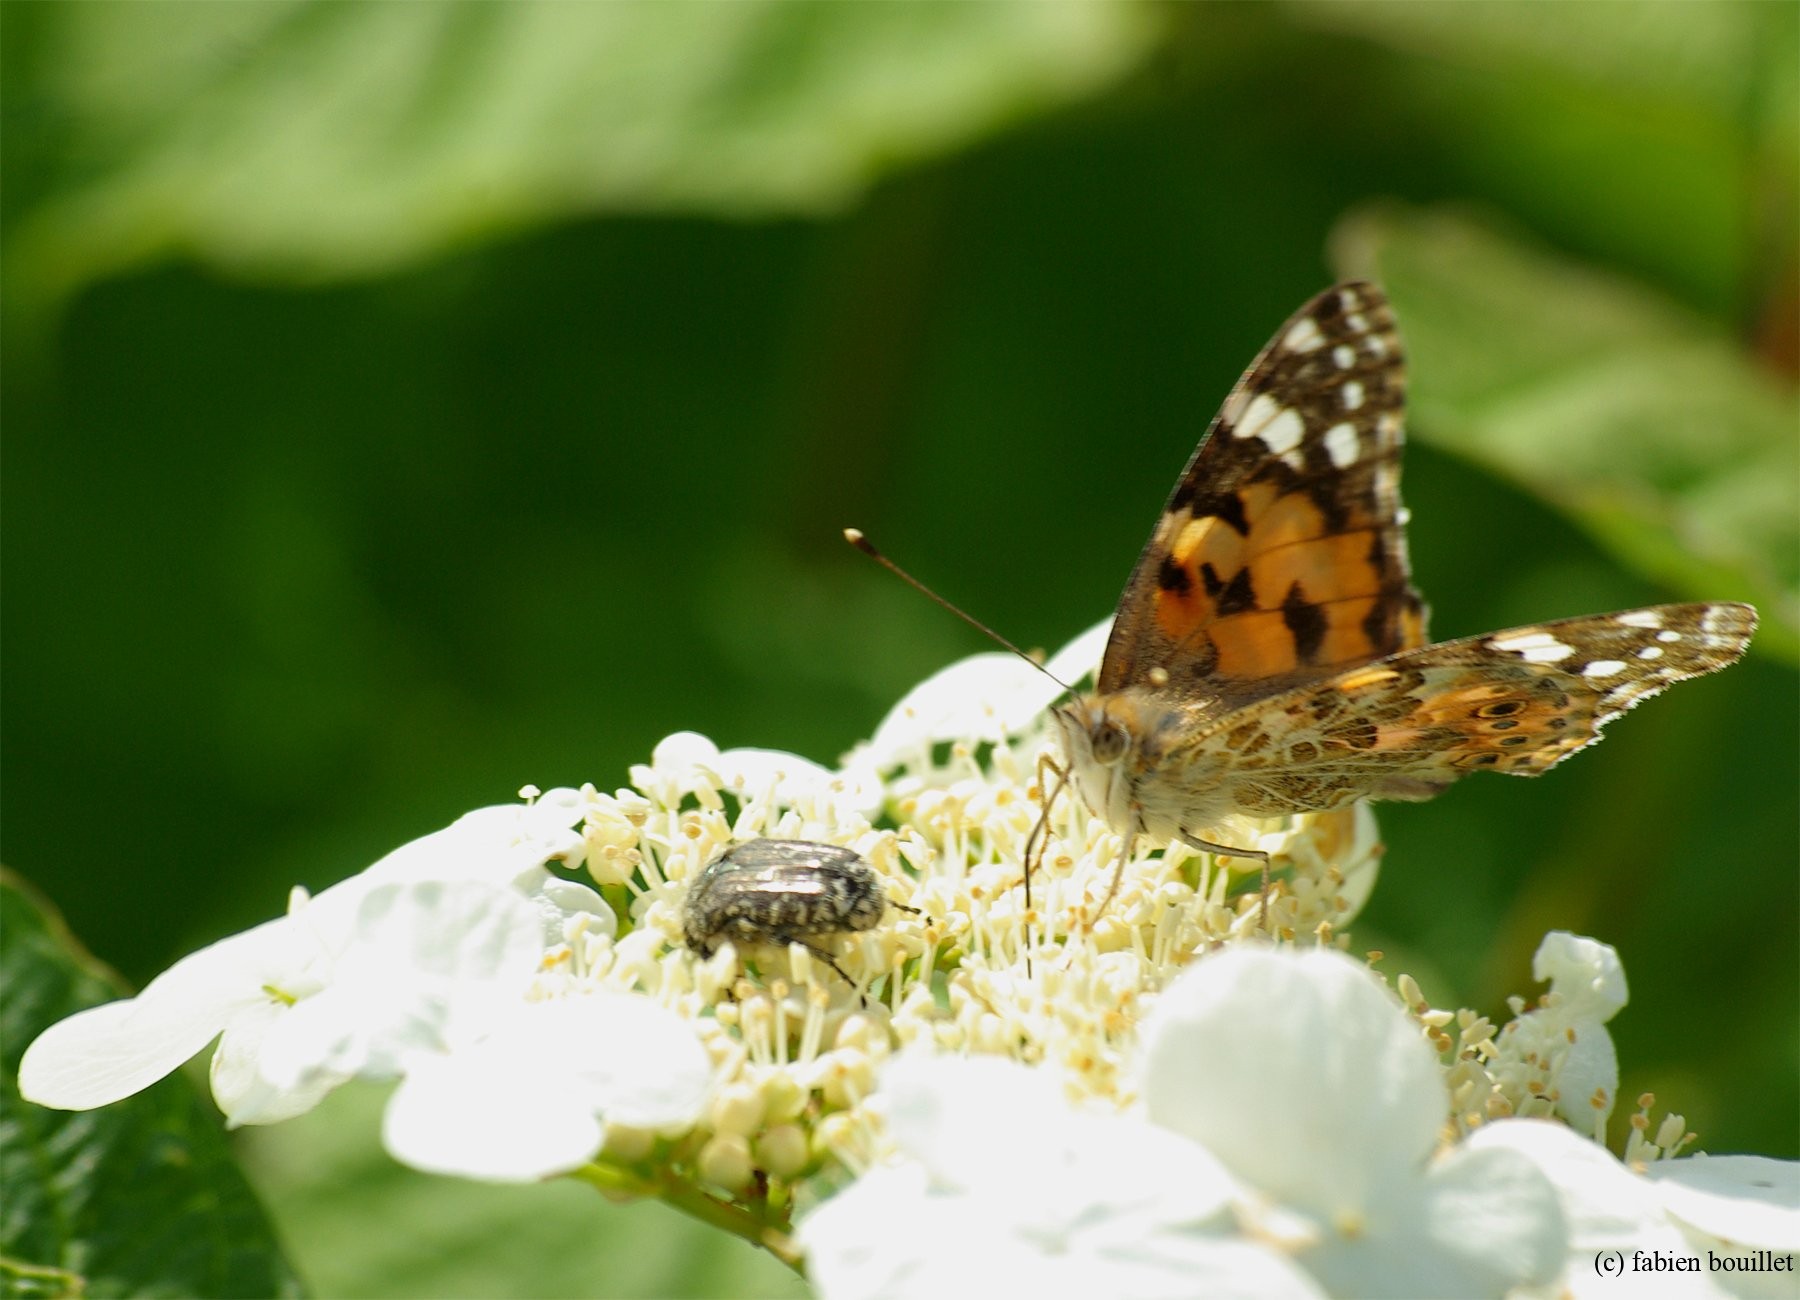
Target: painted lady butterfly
[{"x": 1268, "y": 655}]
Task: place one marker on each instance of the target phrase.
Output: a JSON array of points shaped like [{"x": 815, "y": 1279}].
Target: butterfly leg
[
  {"x": 1226, "y": 851},
  {"x": 1039, "y": 837}
]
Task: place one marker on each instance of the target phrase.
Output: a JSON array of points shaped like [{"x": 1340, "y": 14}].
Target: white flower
[
  {"x": 337, "y": 986},
  {"x": 688, "y": 763},
  {"x": 1056, "y": 1096},
  {"x": 1310, "y": 1084},
  {"x": 421, "y": 965},
  {"x": 1560, "y": 1050},
  {"x": 1004, "y": 1187}
]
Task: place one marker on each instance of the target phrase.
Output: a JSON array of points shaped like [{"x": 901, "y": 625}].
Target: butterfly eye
[{"x": 1108, "y": 741}]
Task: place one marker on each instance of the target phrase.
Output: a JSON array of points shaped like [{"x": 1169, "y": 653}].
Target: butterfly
[{"x": 1269, "y": 656}]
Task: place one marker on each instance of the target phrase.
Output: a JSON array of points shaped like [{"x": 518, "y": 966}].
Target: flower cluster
[{"x": 1186, "y": 1088}]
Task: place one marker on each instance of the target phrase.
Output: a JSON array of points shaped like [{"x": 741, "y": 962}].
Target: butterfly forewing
[
  {"x": 1268, "y": 656},
  {"x": 1281, "y": 552}
]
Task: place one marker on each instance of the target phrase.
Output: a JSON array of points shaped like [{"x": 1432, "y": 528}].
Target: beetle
[{"x": 783, "y": 892}]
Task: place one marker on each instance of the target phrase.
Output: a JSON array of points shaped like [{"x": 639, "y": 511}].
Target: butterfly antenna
[{"x": 855, "y": 537}]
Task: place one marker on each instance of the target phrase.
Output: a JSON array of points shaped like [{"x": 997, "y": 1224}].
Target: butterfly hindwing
[{"x": 1518, "y": 701}]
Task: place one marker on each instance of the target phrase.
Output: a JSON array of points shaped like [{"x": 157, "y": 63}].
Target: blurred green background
[{"x": 405, "y": 403}]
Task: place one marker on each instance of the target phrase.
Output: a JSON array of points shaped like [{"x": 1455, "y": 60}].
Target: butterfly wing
[
  {"x": 1281, "y": 554},
  {"x": 1518, "y": 701}
]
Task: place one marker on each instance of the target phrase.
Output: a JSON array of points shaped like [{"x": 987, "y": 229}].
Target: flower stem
[{"x": 754, "y": 1223}]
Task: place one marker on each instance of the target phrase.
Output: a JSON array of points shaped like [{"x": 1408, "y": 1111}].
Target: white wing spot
[
  {"x": 1650, "y": 652},
  {"x": 1352, "y": 393},
  {"x": 1341, "y": 445},
  {"x": 1603, "y": 668},
  {"x": 1343, "y": 356},
  {"x": 1403, "y": 516},
  {"x": 1641, "y": 618},
  {"x": 1357, "y": 323},
  {"x": 1377, "y": 346},
  {"x": 1256, "y": 415},
  {"x": 1668, "y": 637},
  {"x": 1533, "y": 646},
  {"x": 1304, "y": 336},
  {"x": 1294, "y": 459},
  {"x": 1285, "y": 432},
  {"x": 1348, "y": 300}
]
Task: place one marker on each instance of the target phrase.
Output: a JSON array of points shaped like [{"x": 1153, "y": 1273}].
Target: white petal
[
  {"x": 670, "y": 772},
  {"x": 995, "y": 1127},
  {"x": 527, "y": 1102},
  {"x": 854, "y": 1252},
  {"x": 1606, "y": 1204},
  {"x": 109, "y": 1052},
  {"x": 501, "y": 845},
  {"x": 357, "y": 1028},
  {"x": 1589, "y": 1070},
  {"x": 1300, "y": 1072},
  {"x": 427, "y": 964},
  {"x": 1585, "y": 973},
  {"x": 893, "y": 1234},
  {"x": 1608, "y": 1209},
  {"x": 863, "y": 791},
  {"x": 1220, "y": 1268},
  {"x": 1495, "y": 1219},
  {"x": 982, "y": 698},
  {"x": 636, "y": 1063},
  {"x": 460, "y": 929},
  {"x": 243, "y": 1092},
  {"x": 1482, "y": 1223},
  {"x": 750, "y": 770},
  {"x": 792, "y": 779},
  {"x": 966, "y": 1118},
  {"x": 560, "y": 901},
  {"x": 1750, "y": 1201},
  {"x": 496, "y": 1123},
  {"x": 681, "y": 750}
]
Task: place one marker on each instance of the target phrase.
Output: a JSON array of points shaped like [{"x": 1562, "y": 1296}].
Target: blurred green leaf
[
  {"x": 1646, "y": 424},
  {"x": 1661, "y": 135},
  {"x": 318, "y": 140},
  {"x": 1673, "y": 53},
  {"x": 142, "y": 1198},
  {"x": 328, "y": 1179}
]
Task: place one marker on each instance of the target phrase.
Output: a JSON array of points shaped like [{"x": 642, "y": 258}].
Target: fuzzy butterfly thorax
[{"x": 1268, "y": 655}]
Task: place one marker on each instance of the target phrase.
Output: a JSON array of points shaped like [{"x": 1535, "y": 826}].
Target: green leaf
[
  {"x": 1664, "y": 134},
  {"x": 319, "y": 140},
  {"x": 142, "y": 1198},
  {"x": 1648, "y": 425}
]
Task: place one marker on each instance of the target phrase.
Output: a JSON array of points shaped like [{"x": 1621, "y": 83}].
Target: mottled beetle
[{"x": 782, "y": 892}]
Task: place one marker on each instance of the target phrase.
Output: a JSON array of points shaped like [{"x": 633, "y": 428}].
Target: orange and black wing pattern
[{"x": 1281, "y": 554}]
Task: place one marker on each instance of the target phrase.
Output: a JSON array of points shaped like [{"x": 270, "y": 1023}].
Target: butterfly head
[{"x": 1100, "y": 740}]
